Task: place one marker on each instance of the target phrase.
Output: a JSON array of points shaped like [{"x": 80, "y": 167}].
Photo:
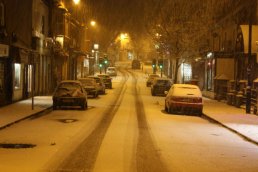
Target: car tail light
[{"x": 198, "y": 100}]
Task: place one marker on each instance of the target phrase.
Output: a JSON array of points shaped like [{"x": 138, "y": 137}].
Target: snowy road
[{"x": 125, "y": 130}]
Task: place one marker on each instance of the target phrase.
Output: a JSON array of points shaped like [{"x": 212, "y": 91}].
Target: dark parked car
[
  {"x": 107, "y": 80},
  {"x": 184, "y": 98},
  {"x": 136, "y": 64},
  {"x": 90, "y": 86},
  {"x": 160, "y": 85},
  {"x": 150, "y": 79},
  {"x": 70, "y": 93},
  {"x": 100, "y": 84}
]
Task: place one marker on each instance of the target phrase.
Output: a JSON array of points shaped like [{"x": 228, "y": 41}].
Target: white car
[
  {"x": 111, "y": 71},
  {"x": 184, "y": 98}
]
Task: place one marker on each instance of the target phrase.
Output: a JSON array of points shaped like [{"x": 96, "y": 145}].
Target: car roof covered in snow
[{"x": 185, "y": 90}]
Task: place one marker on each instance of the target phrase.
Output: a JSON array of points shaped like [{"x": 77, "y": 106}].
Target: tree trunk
[{"x": 176, "y": 70}]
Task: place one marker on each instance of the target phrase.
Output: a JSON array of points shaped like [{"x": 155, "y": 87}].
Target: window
[
  {"x": 17, "y": 76},
  {"x": 29, "y": 78}
]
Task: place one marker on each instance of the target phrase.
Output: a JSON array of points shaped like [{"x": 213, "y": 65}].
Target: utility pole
[{"x": 249, "y": 82}]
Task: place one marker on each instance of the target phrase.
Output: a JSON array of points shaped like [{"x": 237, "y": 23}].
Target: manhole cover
[{"x": 16, "y": 146}]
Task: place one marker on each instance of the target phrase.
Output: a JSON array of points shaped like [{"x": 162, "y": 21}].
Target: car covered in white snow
[
  {"x": 185, "y": 98},
  {"x": 70, "y": 93}
]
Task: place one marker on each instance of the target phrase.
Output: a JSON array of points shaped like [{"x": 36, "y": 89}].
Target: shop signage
[{"x": 4, "y": 50}]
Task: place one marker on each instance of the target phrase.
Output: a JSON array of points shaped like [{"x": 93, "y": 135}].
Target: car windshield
[
  {"x": 186, "y": 91},
  {"x": 87, "y": 82},
  {"x": 153, "y": 76},
  {"x": 162, "y": 82}
]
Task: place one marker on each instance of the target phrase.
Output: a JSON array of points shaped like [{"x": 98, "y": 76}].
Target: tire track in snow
[
  {"x": 147, "y": 156},
  {"x": 84, "y": 156}
]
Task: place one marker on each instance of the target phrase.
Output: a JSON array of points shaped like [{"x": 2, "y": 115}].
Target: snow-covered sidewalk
[
  {"x": 233, "y": 118},
  {"x": 23, "y": 109}
]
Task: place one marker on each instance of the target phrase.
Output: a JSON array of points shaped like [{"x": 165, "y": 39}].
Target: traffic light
[
  {"x": 105, "y": 61},
  {"x": 100, "y": 65},
  {"x": 160, "y": 63}
]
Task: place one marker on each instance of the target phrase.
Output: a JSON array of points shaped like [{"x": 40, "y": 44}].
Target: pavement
[
  {"x": 230, "y": 117},
  {"x": 23, "y": 109}
]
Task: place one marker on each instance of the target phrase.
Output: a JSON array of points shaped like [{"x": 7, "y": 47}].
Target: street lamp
[
  {"x": 76, "y": 1},
  {"x": 93, "y": 23}
]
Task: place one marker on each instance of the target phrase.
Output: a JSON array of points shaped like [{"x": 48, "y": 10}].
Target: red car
[{"x": 184, "y": 98}]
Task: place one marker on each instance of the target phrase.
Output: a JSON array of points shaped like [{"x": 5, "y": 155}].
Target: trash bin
[
  {"x": 230, "y": 98},
  {"x": 238, "y": 100}
]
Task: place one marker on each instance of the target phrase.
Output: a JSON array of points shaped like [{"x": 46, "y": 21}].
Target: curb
[
  {"x": 230, "y": 129},
  {"x": 29, "y": 116}
]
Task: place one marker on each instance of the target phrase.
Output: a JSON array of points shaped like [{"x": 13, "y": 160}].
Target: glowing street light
[
  {"x": 93, "y": 23},
  {"x": 123, "y": 36},
  {"x": 76, "y": 1}
]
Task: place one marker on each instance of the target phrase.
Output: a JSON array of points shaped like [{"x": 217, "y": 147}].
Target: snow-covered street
[{"x": 125, "y": 130}]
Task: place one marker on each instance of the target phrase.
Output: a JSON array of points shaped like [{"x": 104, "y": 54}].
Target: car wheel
[
  {"x": 170, "y": 110},
  {"x": 54, "y": 106},
  {"x": 199, "y": 112},
  {"x": 84, "y": 106},
  {"x": 166, "y": 109}
]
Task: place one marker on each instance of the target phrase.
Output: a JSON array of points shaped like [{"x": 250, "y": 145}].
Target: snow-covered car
[
  {"x": 111, "y": 71},
  {"x": 100, "y": 84},
  {"x": 184, "y": 98},
  {"x": 70, "y": 93},
  {"x": 160, "y": 85},
  {"x": 106, "y": 79},
  {"x": 90, "y": 86},
  {"x": 150, "y": 79}
]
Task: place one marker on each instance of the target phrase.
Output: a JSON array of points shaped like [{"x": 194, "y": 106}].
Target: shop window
[
  {"x": 17, "y": 76},
  {"x": 29, "y": 78}
]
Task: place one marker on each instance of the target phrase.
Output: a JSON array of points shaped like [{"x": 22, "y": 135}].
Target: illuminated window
[
  {"x": 186, "y": 71},
  {"x": 17, "y": 76},
  {"x": 29, "y": 78}
]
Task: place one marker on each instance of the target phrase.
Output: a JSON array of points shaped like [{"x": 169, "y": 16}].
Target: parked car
[
  {"x": 111, "y": 71},
  {"x": 107, "y": 80},
  {"x": 90, "y": 85},
  {"x": 136, "y": 64},
  {"x": 184, "y": 98},
  {"x": 150, "y": 79},
  {"x": 160, "y": 85},
  {"x": 100, "y": 84},
  {"x": 70, "y": 93}
]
